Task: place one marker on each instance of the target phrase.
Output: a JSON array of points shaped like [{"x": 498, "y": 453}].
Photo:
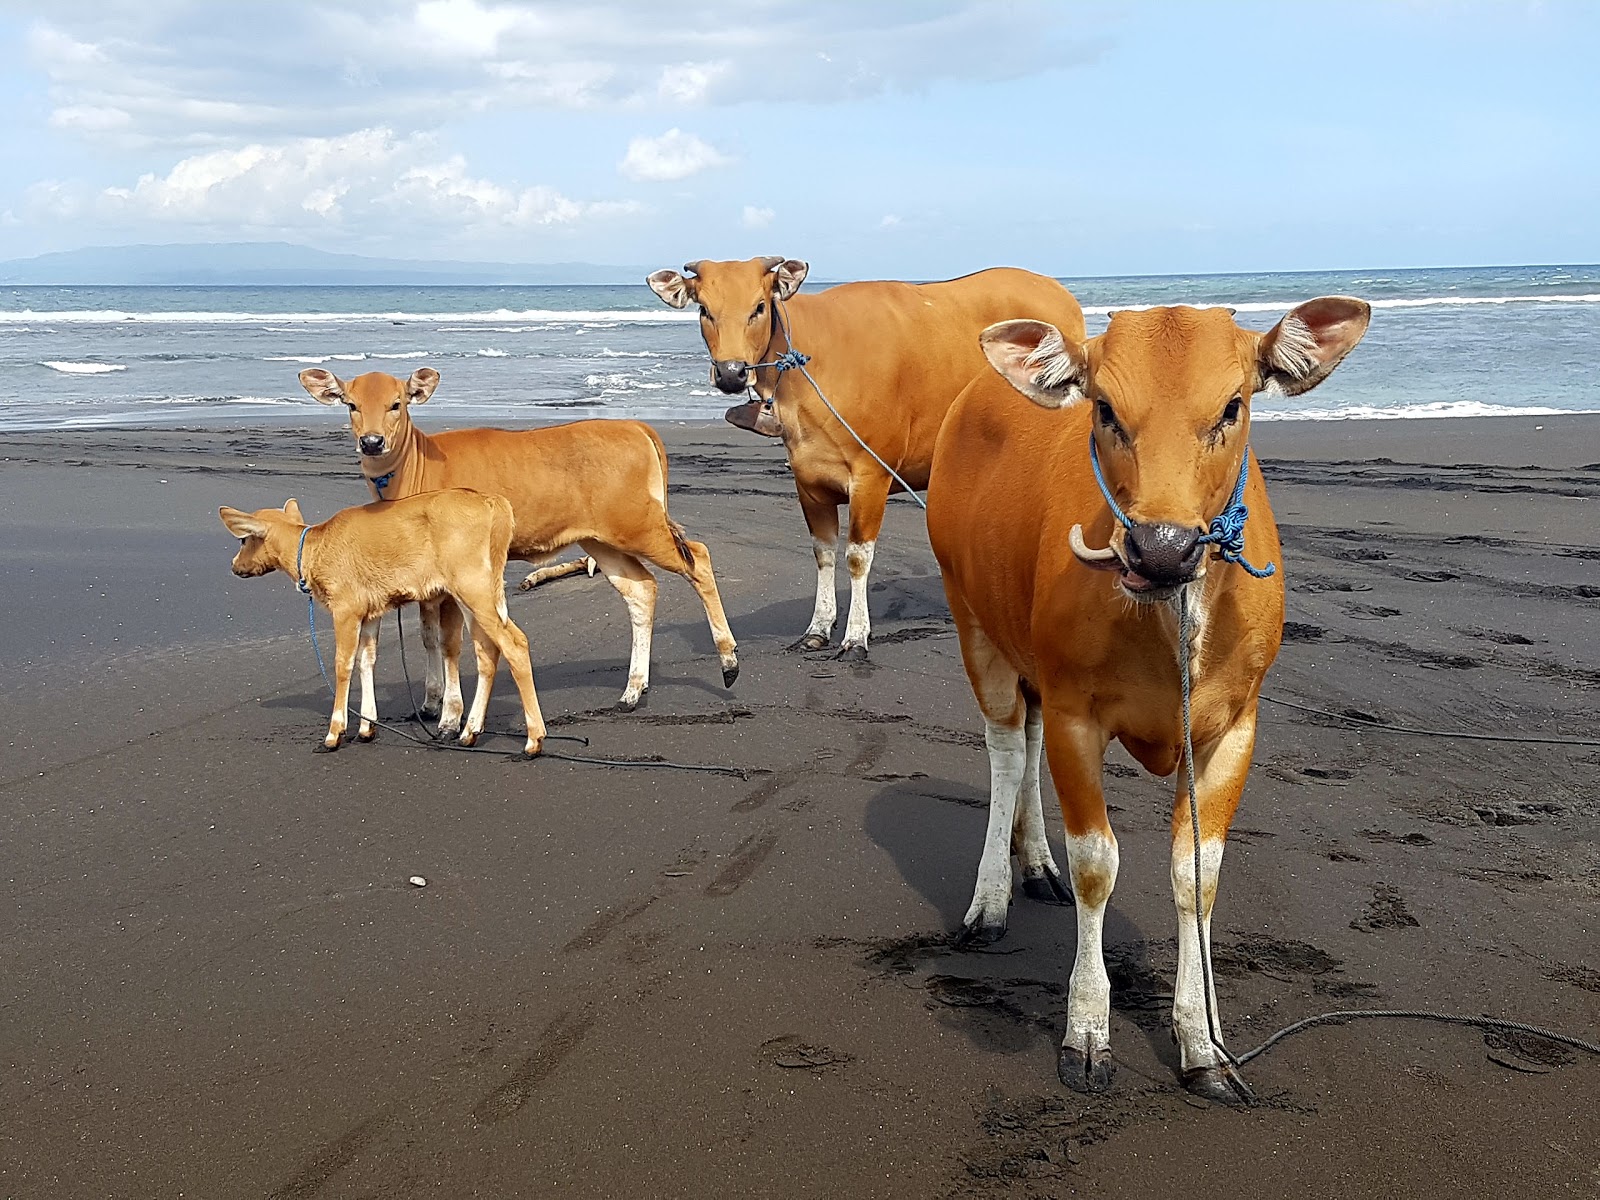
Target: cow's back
[
  {"x": 564, "y": 482},
  {"x": 893, "y": 356}
]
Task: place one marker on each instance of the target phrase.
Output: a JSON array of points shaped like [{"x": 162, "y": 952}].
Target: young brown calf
[{"x": 364, "y": 561}]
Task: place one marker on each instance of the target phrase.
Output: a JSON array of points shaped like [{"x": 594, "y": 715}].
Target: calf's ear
[
  {"x": 1034, "y": 358},
  {"x": 672, "y": 287},
  {"x": 1302, "y": 350},
  {"x": 323, "y": 385},
  {"x": 292, "y": 511},
  {"x": 241, "y": 524},
  {"x": 791, "y": 273},
  {"x": 421, "y": 384}
]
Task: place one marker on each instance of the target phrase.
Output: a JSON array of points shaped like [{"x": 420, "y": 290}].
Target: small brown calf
[{"x": 362, "y": 562}]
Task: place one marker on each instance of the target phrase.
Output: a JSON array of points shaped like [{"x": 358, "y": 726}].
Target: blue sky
[{"x": 916, "y": 138}]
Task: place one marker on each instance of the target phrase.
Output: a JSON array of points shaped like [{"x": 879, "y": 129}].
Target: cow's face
[
  {"x": 736, "y": 300},
  {"x": 259, "y": 550},
  {"x": 1171, "y": 390},
  {"x": 379, "y": 404}
]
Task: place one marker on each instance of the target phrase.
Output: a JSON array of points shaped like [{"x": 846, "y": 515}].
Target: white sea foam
[
  {"x": 490, "y": 352},
  {"x": 82, "y": 368},
  {"x": 107, "y": 316},
  {"x": 1405, "y": 412},
  {"x": 1263, "y": 306}
]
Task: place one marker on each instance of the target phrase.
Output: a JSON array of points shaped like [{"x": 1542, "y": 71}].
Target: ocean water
[{"x": 1455, "y": 342}]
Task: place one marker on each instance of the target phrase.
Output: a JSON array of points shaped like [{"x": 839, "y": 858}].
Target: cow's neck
[{"x": 399, "y": 473}]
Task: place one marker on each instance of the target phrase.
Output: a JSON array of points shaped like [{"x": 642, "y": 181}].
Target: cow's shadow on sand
[{"x": 1010, "y": 997}]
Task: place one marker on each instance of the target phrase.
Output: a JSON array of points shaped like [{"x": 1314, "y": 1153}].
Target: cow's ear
[
  {"x": 672, "y": 287},
  {"x": 1034, "y": 358},
  {"x": 1302, "y": 350},
  {"x": 241, "y": 524},
  {"x": 291, "y": 509},
  {"x": 323, "y": 385},
  {"x": 421, "y": 384},
  {"x": 791, "y": 273}
]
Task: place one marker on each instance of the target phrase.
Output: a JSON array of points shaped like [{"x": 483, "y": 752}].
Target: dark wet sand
[{"x": 217, "y": 981}]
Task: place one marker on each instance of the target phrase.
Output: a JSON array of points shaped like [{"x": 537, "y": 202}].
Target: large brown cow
[
  {"x": 1072, "y": 647},
  {"x": 599, "y": 484},
  {"x": 889, "y": 356}
]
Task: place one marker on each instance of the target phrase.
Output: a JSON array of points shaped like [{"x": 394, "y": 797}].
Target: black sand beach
[{"x": 646, "y": 982}]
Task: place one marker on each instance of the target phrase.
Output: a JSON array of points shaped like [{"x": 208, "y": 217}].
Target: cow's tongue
[{"x": 1136, "y": 582}]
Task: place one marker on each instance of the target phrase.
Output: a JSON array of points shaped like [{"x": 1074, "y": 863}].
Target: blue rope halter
[
  {"x": 381, "y": 482},
  {"x": 1227, "y": 527}
]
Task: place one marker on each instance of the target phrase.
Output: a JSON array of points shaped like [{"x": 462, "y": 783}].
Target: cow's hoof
[
  {"x": 810, "y": 643},
  {"x": 324, "y": 748},
  {"x": 467, "y": 738},
  {"x": 729, "y": 674},
  {"x": 1047, "y": 888},
  {"x": 853, "y": 654},
  {"x": 1088, "y": 1071},
  {"x": 526, "y": 585},
  {"x": 629, "y": 703},
  {"x": 370, "y": 735},
  {"x": 1220, "y": 1084},
  {"x": 977, "y": 934},
  {"x": 522, "y": 756},
  {"x": 431, "y": 708}
]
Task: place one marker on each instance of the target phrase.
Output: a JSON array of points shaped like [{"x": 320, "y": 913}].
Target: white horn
[{"x": 1101, "y": 560}]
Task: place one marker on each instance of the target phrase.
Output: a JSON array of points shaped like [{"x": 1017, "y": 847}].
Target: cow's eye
[
  {"x": 395, "y": 407},
  {"x": 1230, "y": 415},
  {"x": 1107, "y": 417},
  {"x": 706, "y": 315},
  {"x": 760, "y": 308}
]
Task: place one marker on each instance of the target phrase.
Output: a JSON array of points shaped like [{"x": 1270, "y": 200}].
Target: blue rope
[
  {"x": 1227, "y": 527},
  {"x": 311, "y": 604},
  {"x": 794, "y": 360},
  {"x": 381, "y": 482}
]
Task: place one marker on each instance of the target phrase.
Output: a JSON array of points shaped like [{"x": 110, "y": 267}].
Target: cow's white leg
[
  {"x": 869, "y": 492},
  {"x": 488, "y": 657},
  {"x": 985, "y": 921},
  {"x": 451, "y": 621},
  {"x": 1041, "y": 878},
  {"x": 858, "y": 626},
  {"x": 825, "y": 612},
  {"x": 433, "y": 679},
  {"x": 822, "y": 519},
  {"x": 1219, "y": 778},
  {"x": 1085, "y": 1060},
  {"x": 366, "y": 656},
  {"x": 637, "y": 587}
]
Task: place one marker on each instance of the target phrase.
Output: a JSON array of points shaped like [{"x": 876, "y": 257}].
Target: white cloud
[
  {"x": 757, "y": 218},
  {"x": 889, "y": 221},
  {"x": 673, "y": 155},
  {"x": 370, "y": 182},
  {"x": 324, "y": 67}
]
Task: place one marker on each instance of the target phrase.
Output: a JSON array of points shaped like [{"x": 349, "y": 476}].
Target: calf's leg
[
  {"x": 822, "y": 519},
  {"x": 346, "y": 639},
  {"x": 637, "y": 587},
  {"x": 869, "y": 492},
  {"x": 366, "y": 657}
]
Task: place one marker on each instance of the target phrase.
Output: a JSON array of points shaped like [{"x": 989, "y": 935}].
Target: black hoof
[
  {"x": 1047, "y": 889},
  {"x": 469, "y": 740},
  {"x": 810, "y": 643},
  {"x": 521, "y": 756},
  {"x": 1220, "y": 1085},
  {"x": 975, "y": 937},
  {"x": 370, "y": 736},
  {"x": 625, "y": 706},
  {"x": 1089, "y": 1072},
  {"x": 729, "y": 674},
  {"x": 854, "y": 654},
  {"x": 431, "y": 709},
  {"x": 324, "y": 748}
]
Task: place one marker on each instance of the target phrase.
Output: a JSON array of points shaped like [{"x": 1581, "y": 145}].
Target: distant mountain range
[{"x": 260, "y": 264}]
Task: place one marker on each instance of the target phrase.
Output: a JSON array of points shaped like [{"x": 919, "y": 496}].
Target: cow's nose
[
  {"x": 371, "y": 443},
  {"x": 731, "y": 377},
  {"x": 1164, "y": 554}
]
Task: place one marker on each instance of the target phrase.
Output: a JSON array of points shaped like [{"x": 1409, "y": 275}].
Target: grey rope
[
  {"x": 1417, "y": 1014},
  {"x": 1532, "y": 739}
]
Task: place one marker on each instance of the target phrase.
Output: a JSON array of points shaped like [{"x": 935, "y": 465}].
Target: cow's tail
[{"x": 679, "y": 538}]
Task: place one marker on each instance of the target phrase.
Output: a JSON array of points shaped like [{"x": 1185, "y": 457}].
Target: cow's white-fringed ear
[
  {"x": 791, "y": 273},
  {"x": 324, "y": 386},
  {"x": 1302, "y": 350},
  {"x": 672, "y": 287},
  {"x": 241, "y": 524},
  {"x": 291, "y": 509},
  {"x": 421, "y": 384},
  {"x": 1034, "y": 358}
]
